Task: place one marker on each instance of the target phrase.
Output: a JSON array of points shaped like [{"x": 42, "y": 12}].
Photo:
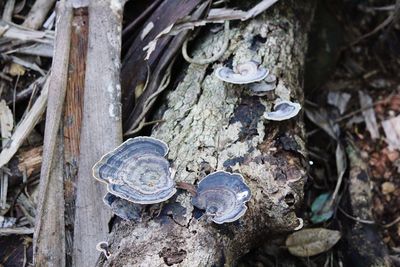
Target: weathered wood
[
  {"x": 101, "y": 126},
  {"x": 49, "y": 235},
  {"x": 167, "y": 13},
  {"x": 73, "y": 119},
  {"x": 37, "y": 14},
  {"x": 25, "y": 127},
  {"x": 30, "y": 161},
  {"x": 211, "y": 125}
]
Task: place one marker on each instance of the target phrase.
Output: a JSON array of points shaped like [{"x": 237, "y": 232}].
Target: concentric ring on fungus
[
  {"x": 223, "y": 196},
  {"x": 137, "y": 171}
]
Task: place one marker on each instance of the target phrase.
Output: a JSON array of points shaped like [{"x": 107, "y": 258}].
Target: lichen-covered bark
[{"x": 211, "y": 125}]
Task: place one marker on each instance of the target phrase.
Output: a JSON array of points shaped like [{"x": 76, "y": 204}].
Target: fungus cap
[
  {"x": 243, "y": 73},
  {"x": 122, "y": 208},
  {"x": 223, "y": 196},
  {"x": 283, "y": 110},
  {"x": 137, "y": 171},
  {"x": 261, "y": 88}
]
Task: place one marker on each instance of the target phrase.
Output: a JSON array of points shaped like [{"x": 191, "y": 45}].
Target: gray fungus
[
  {"x": 243, "y": 73},
  {"x": 283, "y": 110},
  {"x": 223, "y": 196},
  {"x": 137, "y": 171}
]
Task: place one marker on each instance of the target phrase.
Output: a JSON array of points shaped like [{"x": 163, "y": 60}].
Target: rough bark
[{"x": 210, "y": 125}]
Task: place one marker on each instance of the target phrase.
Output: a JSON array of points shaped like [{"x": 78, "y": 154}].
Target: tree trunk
[{"x": 211, "y": 125}]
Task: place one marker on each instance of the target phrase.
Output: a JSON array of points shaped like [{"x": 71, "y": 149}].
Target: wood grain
[
  {"x": 101, "y": 126},
  {"x": 49, "y": 235},
  {"x": 73, "y": 119}
]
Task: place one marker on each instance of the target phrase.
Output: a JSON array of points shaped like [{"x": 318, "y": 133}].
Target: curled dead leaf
[{"x": 310, "y": 242}]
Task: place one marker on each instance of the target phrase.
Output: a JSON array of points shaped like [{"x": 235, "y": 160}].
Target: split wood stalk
[{"x": 83, "y": 122}]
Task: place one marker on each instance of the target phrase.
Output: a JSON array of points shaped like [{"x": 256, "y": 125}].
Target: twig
[
  {"x": 150, "y": 101},
  {"x": 25, "y": 127},
  {"x": 8, "y": 10},
  {"x": 385, "y": 23},
  {"x": 37, "y": 14},
  {"x": 16, "y": 231},
  {"x": 204, "y": 61},
  {"x": 133, "y": 25},
  {"x": 354, "y": 218},
  {"x": 387, "y": 225},
  {"x": 395, "y": 221},
  {"x": 351, "y": 114},
  {"x": 5, "y": 77}
]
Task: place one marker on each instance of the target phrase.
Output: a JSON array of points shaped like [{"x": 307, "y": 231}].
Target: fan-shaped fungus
[
  {"x": 137, "y": 171},
  {"x": 244, "y": 73},
  {"x": 283, "y": 110},
  {"x": 122, "y": 208},
  {"x": 223, "y": 196}
]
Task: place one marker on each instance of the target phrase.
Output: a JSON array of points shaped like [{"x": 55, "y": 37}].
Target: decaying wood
[
  {"x": 211, "y": 125},
  {"x": 14, "y": 31},
  {"x": 73, "y": 119},
  {"x": 167, "y": 13},
  {"x": 365, "y": 246},
  {"x": 83, "y": 122},
  {"x": 37, "y": 14},
  {"x": 30, "y": 161},
  {"x": 24, "y": 128},
  {"x": 101, "y": 126},
  {"x": 16, "y": 231},
  {"x": 49, "y": 235}
]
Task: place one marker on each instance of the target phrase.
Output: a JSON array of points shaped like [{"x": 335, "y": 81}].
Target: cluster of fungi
[{"x": 138, "y": 172}]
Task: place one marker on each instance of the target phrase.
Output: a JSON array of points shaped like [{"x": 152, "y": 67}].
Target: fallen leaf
[
  {"x": 310, "y": 242},
  {"x": 391, "y": 128},
  {"x": 369, "y": 114},
  {"x": 339, "y": 100},
  {"x": 321, "y": 208},
  {"x": 320, "y": 117}
]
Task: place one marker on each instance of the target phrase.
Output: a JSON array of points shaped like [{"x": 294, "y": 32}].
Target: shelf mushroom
[
  {"x": 263, "y": 89},
  {"x": 123, "y": 208},
  {"x": 243, "y": 73},
  {"x": 137, "y": 171},
  {"x": 283, "y": 110},
  {"x": 223, "y": 196}
]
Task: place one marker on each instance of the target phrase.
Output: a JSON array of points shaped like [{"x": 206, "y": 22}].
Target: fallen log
[
  {"x": 211, "y": 125},
  {"x": 364, "y": 245}
]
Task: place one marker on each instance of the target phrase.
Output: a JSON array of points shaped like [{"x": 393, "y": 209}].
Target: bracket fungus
[
  {"x": 223, "y": 196},
  {"x": 243, "y": 73},
  {"x": 137, "y": 171},
  {"x": 283, "y": 110},
  {"x": 123, "y": 208}
]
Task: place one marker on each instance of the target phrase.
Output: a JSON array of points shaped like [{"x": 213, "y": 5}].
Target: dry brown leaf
[{"x": 310, "y": 242}]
